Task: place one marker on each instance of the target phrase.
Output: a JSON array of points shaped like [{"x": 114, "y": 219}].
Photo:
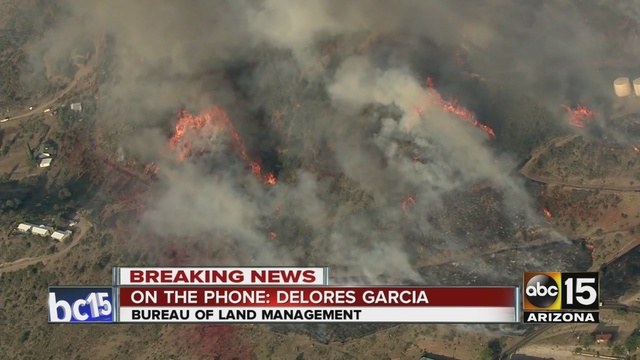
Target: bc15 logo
[
  {"x": 77, "y": 304},
  {"x": 561, "y": 291}
]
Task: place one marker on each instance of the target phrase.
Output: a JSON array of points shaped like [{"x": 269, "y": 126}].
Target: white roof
[
  {"x": 24, "y": 226},
  {"x": 45, "y": 162},
  {"x": 76, "y": 106},
  {"x": 40, "y": 230},
  {"x": 59, "y": 235}
]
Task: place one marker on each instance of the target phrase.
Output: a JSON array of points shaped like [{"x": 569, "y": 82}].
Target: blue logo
[{"x": 80, "y": 304}]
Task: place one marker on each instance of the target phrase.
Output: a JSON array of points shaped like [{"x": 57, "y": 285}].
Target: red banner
[{"x": 317, "y": 296}]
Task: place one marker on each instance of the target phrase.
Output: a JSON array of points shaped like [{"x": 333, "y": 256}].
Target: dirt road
[
  {"x": 576, "y": 186},
  {"x": 83, "y": 228},
  {"x": 80, "y": 74}
]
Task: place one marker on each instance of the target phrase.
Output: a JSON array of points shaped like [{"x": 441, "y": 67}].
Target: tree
[
  {"x": 618, "y": 350},
  {"x": 633, "y": 341},
  {"x": 9, "y": 204},
  {"x": 492, "y": 351},
  {"x": 64, "y": 194}
]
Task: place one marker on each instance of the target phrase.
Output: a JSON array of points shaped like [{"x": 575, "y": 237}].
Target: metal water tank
[{"x": 622, "y": 87}]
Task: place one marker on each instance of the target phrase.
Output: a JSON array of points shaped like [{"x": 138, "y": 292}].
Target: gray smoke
[{"x": 304, "y": 66}]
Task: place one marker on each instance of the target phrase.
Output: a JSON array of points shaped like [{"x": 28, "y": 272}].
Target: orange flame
[
  {"x": 453, "y": 107},
  {"x": 272, "y": 235},
  {"x": 546, "y": 212},
  {"x": 579, "y": 116},
  {"x": 212, "y": 122},
  {"x": 408, "y": 200},
  {"x": 591, "y": 249},
  {"x": 636, "y": 149}
]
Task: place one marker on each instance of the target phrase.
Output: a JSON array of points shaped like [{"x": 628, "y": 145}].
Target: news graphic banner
[
  {"x": 561, "y": 297},
  {"x": 333, "y": 304},
  {"x": 218, "y": 276},
  {"x": 272, "y": 295}
]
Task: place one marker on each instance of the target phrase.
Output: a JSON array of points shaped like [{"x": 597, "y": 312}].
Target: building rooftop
[
  {"x": 60, "y": 235},
  {"x": 46, "y": 162},
  {"x": 76, "y": 106},
  {"x": 603, "y": 337}
]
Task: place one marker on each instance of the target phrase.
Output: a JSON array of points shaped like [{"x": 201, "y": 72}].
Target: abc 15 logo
[{"x": 561, "y": 291}]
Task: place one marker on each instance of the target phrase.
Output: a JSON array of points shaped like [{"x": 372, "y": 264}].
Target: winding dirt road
[
  {"x": 576, "y": 186},
  {"x": 83, "y": 227},
  {"x": 80, "y": 75}
]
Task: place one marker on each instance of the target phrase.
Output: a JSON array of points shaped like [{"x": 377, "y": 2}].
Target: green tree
[
  {"x": 492, "y": 351},
  {"x": 64, "y": 194},
  {"x": 633, "y": 341},
  {"x": 618, "y": 350},
  {"x": 9, "y": 204}
]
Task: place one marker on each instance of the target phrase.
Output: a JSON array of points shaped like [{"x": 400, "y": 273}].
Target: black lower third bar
[{"x": 561, "y": 317}]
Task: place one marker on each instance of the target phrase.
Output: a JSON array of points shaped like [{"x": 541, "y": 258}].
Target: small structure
[
  {"x": 60, "y": 235},
  {"x": 622, "y": 87},
  {"x": 76, "y": 106},
  {"x": 73, "y": 223},
  {"x": 46, "y": 162},
  {"x": 24, "y": 227},
  {"x": 41, "y": 230},
  {"x": 636, "y": 86},
  {"x": 603, "y": 338}
]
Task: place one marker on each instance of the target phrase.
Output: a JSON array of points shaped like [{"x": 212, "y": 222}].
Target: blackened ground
[{"x": 621, "y": 276}]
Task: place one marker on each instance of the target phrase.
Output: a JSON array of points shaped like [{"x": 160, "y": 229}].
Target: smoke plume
[{"x": 335, "y": 94}]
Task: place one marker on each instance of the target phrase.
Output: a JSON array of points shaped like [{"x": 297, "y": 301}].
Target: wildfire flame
[
  {"x": 591, "y": 249},
  {"x": 208, "y": 123},
  {"x": 453, "y": 107},
  {"x": 408, "y": 200},
  {"x": 636, "y": 149},
  {"x": 546, "y": 212},
  {"x": 579, "y": 116}
]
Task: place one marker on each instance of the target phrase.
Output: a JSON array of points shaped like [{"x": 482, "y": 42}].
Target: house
[
  {"x": 603, "y": 338},
  {"x": 60, "y": 235},
  {"x": 76, "y": 106},
  {"x": 24, "y": 227},
  {"x": 46, "y": 162},
  {"x": 41, "y": 230}
]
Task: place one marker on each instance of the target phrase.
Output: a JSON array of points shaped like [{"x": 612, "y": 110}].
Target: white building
[
  {"x": 60, "y": 235},
  {"x": 76, "y": 107},
  {"x": 24, "y": 227},
  {"x": 41, "y": 230},
  {"x": 46, "y": 162}
]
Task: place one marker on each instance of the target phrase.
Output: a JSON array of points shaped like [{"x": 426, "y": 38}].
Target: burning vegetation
[
  {"x": 580, "y": 116},
  {"x": 206, "y": 125},
  {"x": 453, "y": 107}
]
